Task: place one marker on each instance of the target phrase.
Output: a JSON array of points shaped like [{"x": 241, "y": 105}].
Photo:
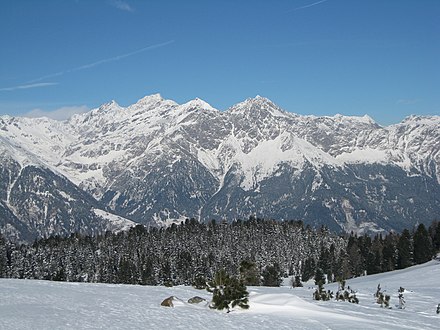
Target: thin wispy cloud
[
  {"x": 103, "y": 61},
  {"x": 407, "y": 101},
  {"x": 122, "y": 5},
  {"x": 308, "y": 6},
  {"x": 27, "y": 86}
]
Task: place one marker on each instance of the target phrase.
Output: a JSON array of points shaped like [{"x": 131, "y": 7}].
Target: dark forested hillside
[{"x": 258, "y": 251}]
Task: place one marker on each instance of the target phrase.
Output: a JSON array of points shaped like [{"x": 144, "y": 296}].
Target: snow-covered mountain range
[{"x": 156, "y": 162}]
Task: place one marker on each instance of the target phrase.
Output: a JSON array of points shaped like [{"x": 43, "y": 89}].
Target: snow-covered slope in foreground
[{"x": 30, "y": 304}]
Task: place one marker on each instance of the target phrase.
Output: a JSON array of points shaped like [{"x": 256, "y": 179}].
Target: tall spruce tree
[
  {"x": 332, "y": 264},
  {"x": 435, "y": 234},
  {"x": 249, "y": 273},
  {"x": 3, "y": 258},
  {"x": 422, "y": 245},
  {"x": 404, "y": 250},
  {"x": 389, "y": 253},
  {"x": 272, "y": 275},
  {"x": 319, "y": 276},
  {"x": 354, "y": 256},
  {"x": 308, "y": 269},
  {"x": 324, "y": 262}
]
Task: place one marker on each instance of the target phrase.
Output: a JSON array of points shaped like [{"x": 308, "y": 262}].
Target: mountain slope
[
  {"x": 156, "y": 162},
  {"x": 37, "y": 201}
]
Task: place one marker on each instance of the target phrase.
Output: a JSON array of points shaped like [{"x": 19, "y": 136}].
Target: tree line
[{"x": 259, "y": 252}]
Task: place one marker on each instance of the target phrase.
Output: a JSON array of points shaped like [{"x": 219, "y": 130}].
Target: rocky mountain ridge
[{"x": 156, "y": 162}]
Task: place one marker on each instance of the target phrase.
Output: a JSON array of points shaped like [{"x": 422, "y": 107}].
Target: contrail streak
[
  {"x": 27, "y": 86},
  {"x": 106, "y": 60},
  {"x": 308, "y": 6}
]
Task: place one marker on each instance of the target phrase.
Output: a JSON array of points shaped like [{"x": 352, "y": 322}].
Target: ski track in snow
[{"x": 32, "y": 304}]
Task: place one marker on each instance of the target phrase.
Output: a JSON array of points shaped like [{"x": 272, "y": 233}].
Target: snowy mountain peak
[
  {"x": 150, "y": 103},
  {"x": 198, "y": 104},
  {"x": 360, "y": 119},
  {"x": 425, "y": 120},
  {"x": 149, "y": 99},
  {"x": 368, "y": 119},
  {"x": 260, "y": 100},
  {"x": 258, "y": 107},
  {"x": 106, "y": 108}
]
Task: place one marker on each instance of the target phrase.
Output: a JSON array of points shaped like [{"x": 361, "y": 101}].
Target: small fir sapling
[
  {"x": 382, "y": 299},
  {"x": 227, "y": 292},
  {"x": 321, "y": 294},
  {"x": 296, "y": 281},
  {"x": 199, "y": 282},
  {"x": 378, "y": 290},
  {"x": 346, "y": 294},
  {"x": 401, "y": 298}
]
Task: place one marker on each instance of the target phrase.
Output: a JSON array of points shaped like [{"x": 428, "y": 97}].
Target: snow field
[{"x": 31, "y": 304}]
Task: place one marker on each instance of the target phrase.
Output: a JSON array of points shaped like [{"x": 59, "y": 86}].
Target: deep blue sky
[{"x": 354, "y": 57}]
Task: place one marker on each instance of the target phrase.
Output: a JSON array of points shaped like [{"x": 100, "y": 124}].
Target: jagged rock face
[
  {"x": 156, "y": 162},
  {"x": 36, "y": 201}
]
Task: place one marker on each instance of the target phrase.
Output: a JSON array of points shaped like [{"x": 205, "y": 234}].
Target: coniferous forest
[{"x": 260, "y": 252}]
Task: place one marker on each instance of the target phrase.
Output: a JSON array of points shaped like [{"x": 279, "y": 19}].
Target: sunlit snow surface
[{"x": 29, "y": 304}]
